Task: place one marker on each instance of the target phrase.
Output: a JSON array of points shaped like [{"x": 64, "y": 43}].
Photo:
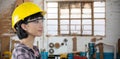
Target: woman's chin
[{"x": 39, "y": 35}]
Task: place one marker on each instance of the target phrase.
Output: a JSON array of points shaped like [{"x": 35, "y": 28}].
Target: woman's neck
[{"x": 28, "y": 41}]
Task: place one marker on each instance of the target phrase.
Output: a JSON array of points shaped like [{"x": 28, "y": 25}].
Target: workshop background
[{"x": 72, "y": 46}]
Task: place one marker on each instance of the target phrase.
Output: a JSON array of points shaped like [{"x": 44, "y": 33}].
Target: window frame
[{"x": 92, "y": 18}]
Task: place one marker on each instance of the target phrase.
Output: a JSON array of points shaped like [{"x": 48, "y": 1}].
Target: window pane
[
  {"x": 52, "y": 4},
  {"x": 99, "y": 15},
  {"x": 99, "y": 9},
  {"x": 64, "y": 32},
  {"x": 78, "y": 27},
  {"x": 99, "y": 24},
  {"x": 86, "y": 15},
  {"x": 52, "y": 33},
  {"x": 75, "y": 15},
  {"x": 99, "y": 33},
  {"x": 87, "y": 32},
  {"x": 52, "y": 22},
  {"x": 52, "y": 15},
  {"x": 75, "y": 5},
  {"x": 99, "y": 4},
  {"x": 99, "y": 21},
  {"x": 64, "y": 21},
  {"x": 64, "y": 16},
  {"x": 64, "y": 5},
  {"x": 75, "y": 10},
  {"x": 88, "y": 11},
  {"x": 64, "y": 27},
  {"x": 77, "y": 32},
  {"x": 52, "y": 10},
  {"x": 75, "y": 21},
  {"x": 73, "y": 27},
  {"x": 52, "y": 28},
  {"x": 86, "y": 21},
  {"x": 99, "y": 27},
  {"x": 86, "y": 5},
  {"x": 87, "y": 27},
  {"x": 64, "y": 11}
]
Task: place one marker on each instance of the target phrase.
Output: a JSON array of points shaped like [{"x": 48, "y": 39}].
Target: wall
[
  {"x": 6, "y": 9},
  {"x": 6, "y": 6}
]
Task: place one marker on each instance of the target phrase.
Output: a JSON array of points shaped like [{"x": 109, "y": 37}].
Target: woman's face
[{"x": 35, "y": 27}]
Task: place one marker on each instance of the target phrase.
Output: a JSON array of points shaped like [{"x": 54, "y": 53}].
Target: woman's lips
[{"x": 40, "y": 30}]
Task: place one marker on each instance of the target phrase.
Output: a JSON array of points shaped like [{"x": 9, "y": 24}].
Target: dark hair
[{"x": 19, "y": 30}]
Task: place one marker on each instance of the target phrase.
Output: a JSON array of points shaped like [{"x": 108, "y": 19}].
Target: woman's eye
[{"x": 36, "y": 21}]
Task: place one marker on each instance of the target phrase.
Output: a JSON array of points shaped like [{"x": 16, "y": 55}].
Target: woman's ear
[{"x": 23, "y": 26}]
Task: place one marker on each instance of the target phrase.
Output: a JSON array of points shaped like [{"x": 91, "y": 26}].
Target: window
[{"x": 80, "y": 18}]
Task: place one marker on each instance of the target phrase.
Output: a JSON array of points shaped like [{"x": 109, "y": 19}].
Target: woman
[{"x": 27, "y": 21}]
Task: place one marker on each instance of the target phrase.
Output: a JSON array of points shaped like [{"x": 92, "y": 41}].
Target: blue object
[
  {"x": 91, "y": 44},
  {"x": 92, "y": 50},
  {"x": 70, "y": 55},
  {"x": 107, "y": 55},
  {"x": 83, "y": 53},
  {"x": 44, "y": 55}
]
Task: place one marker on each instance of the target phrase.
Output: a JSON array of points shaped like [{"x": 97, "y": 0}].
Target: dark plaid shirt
[{"x": 23, "y": 52}]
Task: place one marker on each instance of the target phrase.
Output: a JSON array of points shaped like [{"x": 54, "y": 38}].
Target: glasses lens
[{"x": 35, "y": 19}]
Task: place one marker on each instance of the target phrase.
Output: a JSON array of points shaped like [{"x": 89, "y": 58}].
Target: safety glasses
[{"x": 36, "y": 20}]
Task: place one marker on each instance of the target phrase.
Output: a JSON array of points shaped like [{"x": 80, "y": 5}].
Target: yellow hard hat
[{"x": 24, "y": 10}]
